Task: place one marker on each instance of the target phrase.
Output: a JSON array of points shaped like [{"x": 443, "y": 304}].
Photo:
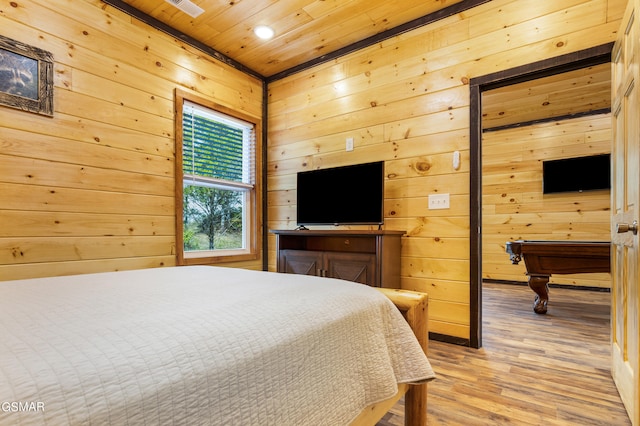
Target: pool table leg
[{"x": 539, "y": 284}]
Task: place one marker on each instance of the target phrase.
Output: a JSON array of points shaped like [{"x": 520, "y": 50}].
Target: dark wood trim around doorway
[{"x": 569, "y": 62}]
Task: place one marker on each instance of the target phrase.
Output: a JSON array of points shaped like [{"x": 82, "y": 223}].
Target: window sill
[{"x": 208, "y": 257}]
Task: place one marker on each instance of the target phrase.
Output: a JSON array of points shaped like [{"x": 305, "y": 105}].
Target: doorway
[{"x": 566, "y": 63}]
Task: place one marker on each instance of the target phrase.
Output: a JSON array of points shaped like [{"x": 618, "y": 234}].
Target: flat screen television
[
  {"x": 576, "y": 174},
  {"x": 341, "y": 195}
]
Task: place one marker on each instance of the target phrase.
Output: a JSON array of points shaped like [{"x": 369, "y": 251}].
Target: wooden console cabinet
[{"x": 367, "y": 257}]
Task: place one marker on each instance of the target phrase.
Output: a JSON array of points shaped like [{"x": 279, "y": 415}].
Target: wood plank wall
[
  {"x": 92, "y": 189},
  {"x": 406, "y": 101},
  {"x": 514, "y": 207}
]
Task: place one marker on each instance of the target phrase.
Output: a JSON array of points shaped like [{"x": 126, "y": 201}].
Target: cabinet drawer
[{"x": 342, "y": 244}]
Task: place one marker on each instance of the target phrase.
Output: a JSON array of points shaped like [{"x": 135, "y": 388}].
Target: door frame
[{"x": 560, "y": 64}]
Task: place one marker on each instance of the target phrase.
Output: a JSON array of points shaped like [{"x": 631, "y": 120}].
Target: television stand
[{"x": 367, "y": 257}]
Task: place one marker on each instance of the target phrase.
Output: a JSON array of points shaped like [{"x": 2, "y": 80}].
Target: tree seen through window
[{"x": 216, "y": 164}]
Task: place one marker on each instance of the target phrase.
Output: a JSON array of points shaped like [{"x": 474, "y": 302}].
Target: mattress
[{"x": 199, "y": 345}]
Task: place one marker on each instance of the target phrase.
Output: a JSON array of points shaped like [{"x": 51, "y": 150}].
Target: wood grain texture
[
  {"x": 532, "y": 370},
  {"x": 575, "y": 92},
  {"x": 108, "y": 150},
  {"x": 406, "y": 101},
  {"x": 414, "y": 306},
  {"x": 92, "y": 188},
  {"x": 514, "y": 207},
  {"x": 304, "y": 29}
]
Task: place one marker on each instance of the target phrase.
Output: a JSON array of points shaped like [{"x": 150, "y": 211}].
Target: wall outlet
[
  {"x": 438, "y": 201},
  {"x": 349, "y": 144}
]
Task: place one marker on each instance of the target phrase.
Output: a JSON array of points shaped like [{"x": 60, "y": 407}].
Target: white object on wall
[
  {"x": 438, "y": 201},
  {"x": 456, "y": 160}
]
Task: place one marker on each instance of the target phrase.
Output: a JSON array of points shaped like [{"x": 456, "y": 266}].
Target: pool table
[{"x": 543, "y": 258}]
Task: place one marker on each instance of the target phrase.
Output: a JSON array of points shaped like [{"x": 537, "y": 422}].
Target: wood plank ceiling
[
  {"x": 309, "y": 30},
  {"x": 304, "y": 29}
]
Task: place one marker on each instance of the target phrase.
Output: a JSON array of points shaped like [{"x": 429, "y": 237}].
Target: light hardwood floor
[{"x": 533, "y": 369}]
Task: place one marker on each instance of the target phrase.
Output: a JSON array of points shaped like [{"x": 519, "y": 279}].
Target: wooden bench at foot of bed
[{"x": 415, "y": 308}]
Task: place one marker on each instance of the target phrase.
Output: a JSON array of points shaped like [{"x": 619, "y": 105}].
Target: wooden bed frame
[{"x": 414, "y": 306}]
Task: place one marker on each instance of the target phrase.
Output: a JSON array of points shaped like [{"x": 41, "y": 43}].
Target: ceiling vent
[{"x": 187, "y": 7}]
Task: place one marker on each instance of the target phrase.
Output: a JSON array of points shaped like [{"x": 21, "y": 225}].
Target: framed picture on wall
[{"x": 26, "y": 77}]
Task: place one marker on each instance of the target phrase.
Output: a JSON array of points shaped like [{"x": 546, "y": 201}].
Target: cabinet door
[
  {"x": 357, "y": 267},
  {"x": 300, "y": 262}
]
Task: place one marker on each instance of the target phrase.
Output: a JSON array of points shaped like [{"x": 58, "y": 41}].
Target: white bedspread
[{"x": 199, "y": 345}]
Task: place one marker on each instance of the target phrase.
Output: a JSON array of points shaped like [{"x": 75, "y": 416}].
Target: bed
[{"x": 206, "y": 345}]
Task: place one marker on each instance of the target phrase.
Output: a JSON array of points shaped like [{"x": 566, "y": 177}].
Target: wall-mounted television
[
  {"x": 345, "y": 195},
  {"x": 576, "y": 174}
]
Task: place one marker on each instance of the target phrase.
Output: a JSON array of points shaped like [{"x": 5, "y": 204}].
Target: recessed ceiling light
[{"x": 263, "y": 32}]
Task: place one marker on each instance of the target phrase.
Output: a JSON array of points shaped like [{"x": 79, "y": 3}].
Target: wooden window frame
[{"x": 253, "y": 207}]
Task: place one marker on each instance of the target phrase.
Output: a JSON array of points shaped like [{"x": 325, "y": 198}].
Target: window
[{"x": 215, "y": 183}]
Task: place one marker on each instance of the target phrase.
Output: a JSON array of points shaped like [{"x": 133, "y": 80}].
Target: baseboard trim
[{"x": 449, "y": 339}]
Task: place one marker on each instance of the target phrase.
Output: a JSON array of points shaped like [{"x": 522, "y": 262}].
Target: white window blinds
[{"x": 218, "y": 149}]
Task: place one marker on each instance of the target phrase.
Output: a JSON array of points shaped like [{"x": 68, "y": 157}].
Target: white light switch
[
  {"x": 349, "y": 144},
  {"x": 438, "y": 201}
]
